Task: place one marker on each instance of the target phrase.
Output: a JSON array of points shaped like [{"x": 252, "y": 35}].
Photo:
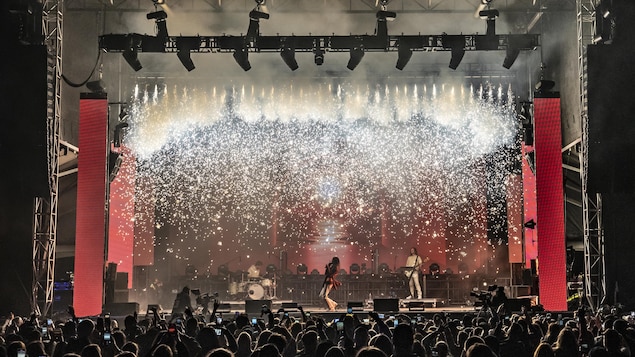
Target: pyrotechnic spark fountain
[{"x": 223, "y": 158}]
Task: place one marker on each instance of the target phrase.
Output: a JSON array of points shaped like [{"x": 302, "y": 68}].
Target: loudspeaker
[
  {"x": 386, "y": 305},
  {"x": 122, "y": 308},
  {"x": 516, "y": 304},
  {"x": 121, "y": 281},
  {"x": 111, "y": 272},
  {"x": 121, "y": 296},
  {"x": 62, "y": 299},
  {"x": 255, "y": 306}
]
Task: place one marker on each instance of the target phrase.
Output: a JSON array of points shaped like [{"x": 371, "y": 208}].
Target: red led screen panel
[
  {"x": 121, "y": 222},
  {"x": 91, "y": 199},
  {"x": 550, "y": 204}
]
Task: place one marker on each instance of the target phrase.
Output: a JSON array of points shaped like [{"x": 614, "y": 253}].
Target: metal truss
[
  {"x": 45, "y": 208},
  {"x": 324, "y": 6},
  {"x": 207, "y": 44},
  {"x": 594, "y": 264}
]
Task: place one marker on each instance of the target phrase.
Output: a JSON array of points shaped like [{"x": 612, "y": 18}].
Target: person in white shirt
[
  {"x": 413, "y": 263},
  {"x": 254, "y": 270}
]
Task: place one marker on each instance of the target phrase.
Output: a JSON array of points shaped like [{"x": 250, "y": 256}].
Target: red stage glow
[
  {"x": 550, "y": 205},
  {"x": 91, "y": 196}
]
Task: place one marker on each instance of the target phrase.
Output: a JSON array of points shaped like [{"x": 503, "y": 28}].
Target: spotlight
[
  {"x": 162, "y": 27},
  {"x": 457, "y": 44},
  {"x": 130, "y": 54},
  {"x": 241, "y": 55},
  {"x": 404, "y": 54},
  {"x": 357, "y": 53},
  {"x": 545, "y": 85},
  {"x": 157, "y": 15},
  {"x": 319, "y": 56},
  {"x": 288, "y": 56},
  {"x": 259, "y": 12},
  {"x": 383, "y": 17},
  {"x": 514, "y": 45},
  {"x": 510, "y": 57},
  {"x": 184, "y": 46},
  {"x": 531, "y": 224},
  {"x": 354, "y": 269},
  {"x": 97, "y": 86},
  {"x": 158, "y": 2},
  {"x": 302, "y": 269}
]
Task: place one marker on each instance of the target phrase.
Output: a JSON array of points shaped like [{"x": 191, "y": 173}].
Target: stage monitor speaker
[
  {"x": 515, "y": 305},
  {"x": 255, "y": 306},
  {"x": 121, "y": 308},
  {"x": 386, "y": 305}
]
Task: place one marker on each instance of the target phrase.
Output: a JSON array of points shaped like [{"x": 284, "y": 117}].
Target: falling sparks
[{"x": 329, "y": 159}]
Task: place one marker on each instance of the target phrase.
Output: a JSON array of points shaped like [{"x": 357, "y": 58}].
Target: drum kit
[{"x": 253, "y": 288}]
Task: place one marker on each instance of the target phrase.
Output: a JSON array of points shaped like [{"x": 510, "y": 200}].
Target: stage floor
[{"x": 410, "y": 307}]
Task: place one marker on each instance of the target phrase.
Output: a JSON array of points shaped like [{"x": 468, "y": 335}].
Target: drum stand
[{"x": 273, "y": 288}]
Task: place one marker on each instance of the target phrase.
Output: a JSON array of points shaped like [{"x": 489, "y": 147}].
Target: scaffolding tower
[
  {"x": 45, "y": 208},
  {"x": 594, "y": 265}
]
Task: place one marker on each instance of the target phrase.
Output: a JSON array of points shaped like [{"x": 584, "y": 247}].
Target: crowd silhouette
[{"x": 607, "y": 333}]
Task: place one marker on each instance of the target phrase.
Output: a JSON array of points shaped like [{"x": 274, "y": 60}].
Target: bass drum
[{"x": 255, "y": 291}]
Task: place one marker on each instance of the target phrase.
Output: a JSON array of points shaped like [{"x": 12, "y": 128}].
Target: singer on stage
[{"x": 330, "y": 282}]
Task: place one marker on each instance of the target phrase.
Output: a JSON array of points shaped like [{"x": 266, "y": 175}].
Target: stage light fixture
[
  {"x": 354, "y": 269},
  {"x": 302, "y": 269},
  {"x": 97, "y": 86},
  {"x": 159, "y": 19},
  {"x": 544, "y": 85},
  {"x": 184, "y": 47},
  {"x": 457, "y": 45},
  {"x": 288, "y": 56},
  {"x": 404, "y": 53},
  {"x": 531, "y": 224},
  {"x": 383, "y": 16},
  {"x": 158, "y": 2},
  {"x": 490, "y": 15},
  {"x": 241, "y": 55},
  {"x": 510, "y": 57},
  {"x": 357, "y": 53},
  {"x": 318, "y": 56},
  {"x": 131, "y": 55},
  {"x": 258, "y": 12}
]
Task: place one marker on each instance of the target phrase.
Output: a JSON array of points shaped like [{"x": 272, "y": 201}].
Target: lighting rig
[{"x": 288, "y": 45}]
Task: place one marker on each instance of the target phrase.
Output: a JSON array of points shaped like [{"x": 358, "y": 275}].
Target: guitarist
[{"x": 413, "y": 263}]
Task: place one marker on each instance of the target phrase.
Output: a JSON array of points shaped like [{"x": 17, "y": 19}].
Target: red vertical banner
[
  {"x": 91, "y": 203},
  {"x": 550, "y": 203},
  {"x": 121, "y": 214}
]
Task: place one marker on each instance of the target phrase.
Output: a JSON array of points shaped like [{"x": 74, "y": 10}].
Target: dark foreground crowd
[{"x": 299, "y": 334}]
